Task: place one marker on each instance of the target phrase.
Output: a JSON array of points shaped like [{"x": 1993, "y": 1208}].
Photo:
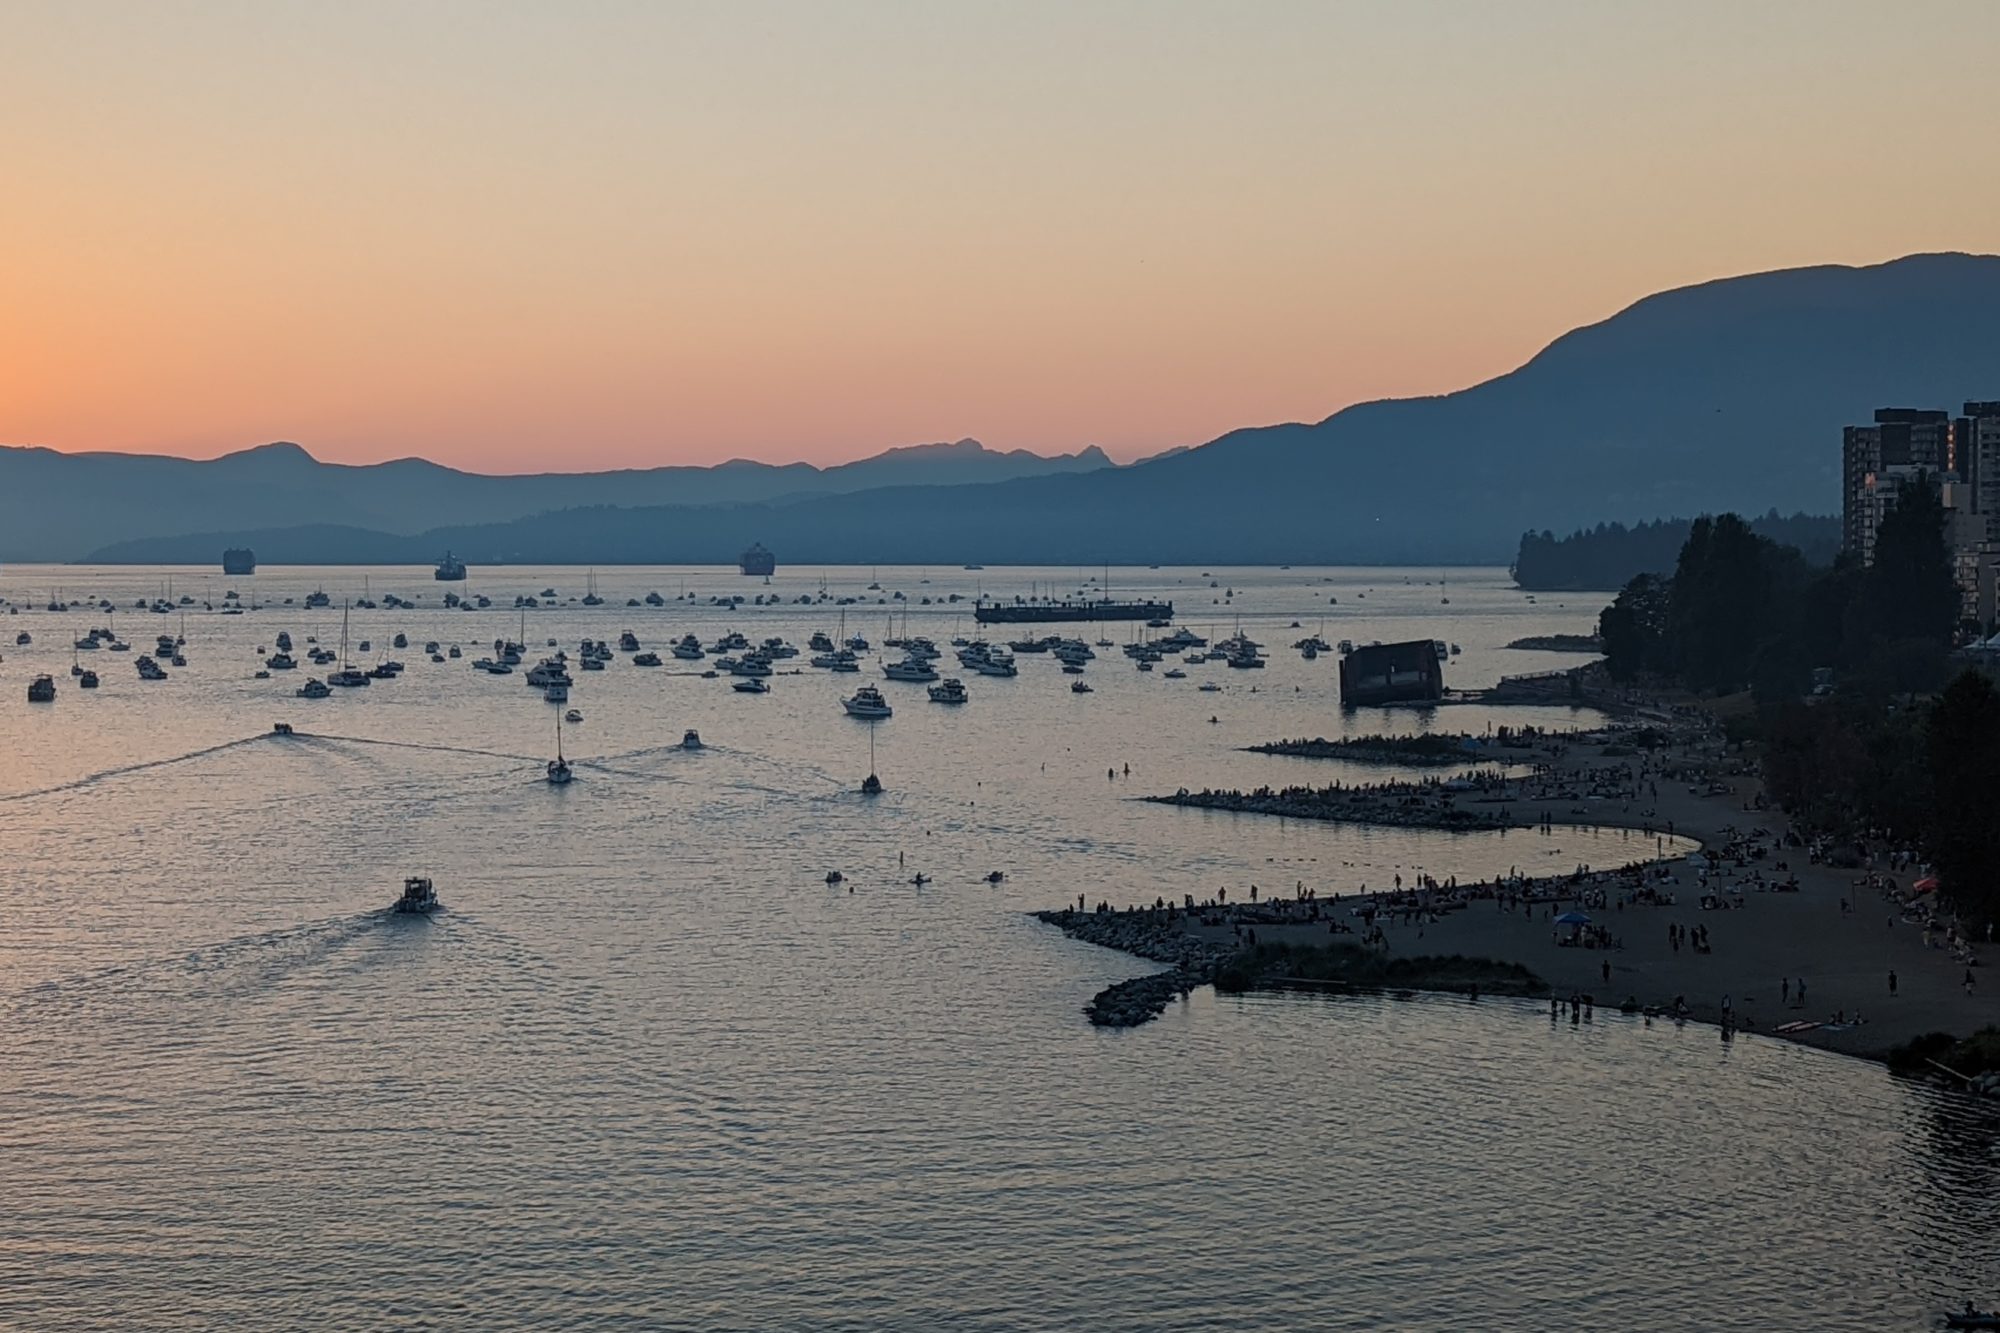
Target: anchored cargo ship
[
  {"x": 239, "y": 560},
  {"x": 757, "y": 560},
  {"x": 1020, "y": 613},
  {"x": 450, "y": 570}
]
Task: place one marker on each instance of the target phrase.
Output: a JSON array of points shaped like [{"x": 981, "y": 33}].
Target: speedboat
[
  {"x": 868, "y": 702},
  {"x": 418, "y": 897},
  {"x": 750, "y": 685},
  {"x": 573, "y": 715},
  {"x": 951, "y": 691}
]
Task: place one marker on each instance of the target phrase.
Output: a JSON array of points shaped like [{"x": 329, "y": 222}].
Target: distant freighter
[
  {"x": 757, "y": 560},
  {"x": 239, "y": 560},
  {"x": 450, "y": 570},
  {"x": 1001, "y": 613}
]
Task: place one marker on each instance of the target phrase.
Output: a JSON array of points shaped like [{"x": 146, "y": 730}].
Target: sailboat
[
  {"x": 559, "y": 774},
  {"x": 871, "y": 785},
  {"x": 590, "y": 598},
  {"x": 347, "y": 676}
]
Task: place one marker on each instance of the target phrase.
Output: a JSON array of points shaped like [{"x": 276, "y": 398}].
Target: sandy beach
[{"x": 1759, "y": 951}]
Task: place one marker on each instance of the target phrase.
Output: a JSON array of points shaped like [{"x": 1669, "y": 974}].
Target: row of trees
[
  {"x": 1859, "y": 731},
  {"x": 1743, "y": 611},
  {"x": 1610, "y": 554}
]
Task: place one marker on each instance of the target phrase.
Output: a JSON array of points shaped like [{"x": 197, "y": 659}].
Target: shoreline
[{"x": 1770, "y": 911}]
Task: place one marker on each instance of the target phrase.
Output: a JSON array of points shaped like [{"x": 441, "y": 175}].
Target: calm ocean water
[{"x": 648, "y": 1071}]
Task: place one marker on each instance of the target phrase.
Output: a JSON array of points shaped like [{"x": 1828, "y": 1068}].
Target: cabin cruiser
[
  {"x": 86, "y": 680},
  {"x": 691, "y": 739},
  {"x": 628, "y": 642},
  {"x": 949, "y": 691},
  {"x": 750, "y": 685},
  {"x": 118, "y": 646},
  {"x": 1079, "y": 687},
  {"x": 454, "y": 652},
  {"x": 1209, "y": 687},
  {"x": 317, "y": 598},
  {"x": 347, "y": 678},
  {"x": 688, "y": 648},
  {"x": 647, "y": 659},
  {"x": 430, "y": 647},
  {"x": 549, "y": 672},
  {"x": 994, "y": 665},
  {"x": 750, "y": 664},
  {"x": 838, "y": 660},
  {"x": 284, "y": 641},
  {"x": 868, "y": 702},
  {"x": 819, "y": 643},
  {"x": 1175, "y": 673},
  {"x": 42, "y": 690},
  {"x": 774, "y": 648},
  {"x": 149, "y": 669},
  {"x": 1346, "y": 647},
  {"x": 23, "y": 639},
  {"x": 858, "y": 643},
  {"x": 556, "y": 692},
  {"x": 88, "y": 643},
  {"x": 280, "y": 662},
  {"x": 593, "y": 663},
  {"x": 911, "y": 669},
  {"x": 418, "y": 897}
]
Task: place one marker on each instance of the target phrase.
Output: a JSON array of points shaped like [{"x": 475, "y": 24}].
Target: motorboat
[
  {"x": 911, "y": 669},
  {"x": 419, "y": 898},
  {"x": 750, "y": 685},
  {"x": 648, "y": 659},
  {"x": 454, "y": 652},
  {"x": 1175, "y": 673},
  {"x": 548, "y": 672},
  {"x": 950, "y": 691},
  {"x": 556, "y": 692},
  {"x": 23, "y": 639},
  {"x": 42, "y": 690},
  {"x": 149, "y": 669},
  {"x": 691, "y": 739},
  {"x": 835, "y": 877},
  {"x": 86, "y": 680},
  {"x": 688, "y": 648},
  {"x": 1079, "y": 687},
  {"x": 991, "y": 664},
  {"x": 317, "y": 598},
  {"x": 1208, "y": 687},
  {"x": 867, "y": 702},
  {"x": 1972, "y": 1317},
  {"x": 314, "y": 689},
  {"x": 573, "y": 715},
  {"x": 281, "y": 662}
]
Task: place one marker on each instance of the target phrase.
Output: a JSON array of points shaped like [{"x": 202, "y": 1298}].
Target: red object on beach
[{"x": 1928, "y": 884}]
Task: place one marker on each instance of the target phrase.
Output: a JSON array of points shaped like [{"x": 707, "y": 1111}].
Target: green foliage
[
  {"x": 1962, "y": 745},
  {"x": 1908, "y": 592},
  {"x": 1633, "y": 629}
]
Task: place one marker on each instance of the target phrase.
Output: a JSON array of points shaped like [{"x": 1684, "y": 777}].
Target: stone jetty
[
  {"x": 1401, "y": 805},
  {"x": 1153, "y": 935}
]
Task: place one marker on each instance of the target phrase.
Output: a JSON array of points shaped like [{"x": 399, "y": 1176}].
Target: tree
[
  {"x": 1908, "y": 591},
  {"x": 1632, "y": 630},
  {"x": 1963, "y": 743}
]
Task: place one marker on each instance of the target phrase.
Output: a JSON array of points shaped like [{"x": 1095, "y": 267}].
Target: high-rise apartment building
[{"x": 1877, "y": 460}]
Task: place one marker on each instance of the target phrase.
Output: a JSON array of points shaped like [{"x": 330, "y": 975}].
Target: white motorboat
[
  {"x": 750, "y": 685},
  {"x": 868, "y": 702},
  {"x": 556, "y": 692},
  {"x": 911, "y": 669},
  {"x": 314, "y": 689},
  {"x": 949, "y": 691}
]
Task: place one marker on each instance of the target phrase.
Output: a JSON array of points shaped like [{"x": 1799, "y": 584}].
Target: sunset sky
[{"x": 524, "y": 237}]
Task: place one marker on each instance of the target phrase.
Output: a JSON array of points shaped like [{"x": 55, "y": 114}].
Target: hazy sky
[{"x": 520, "y": 236}]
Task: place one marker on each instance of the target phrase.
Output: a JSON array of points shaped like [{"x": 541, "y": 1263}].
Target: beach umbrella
[{"x": 1573, "y": 919}]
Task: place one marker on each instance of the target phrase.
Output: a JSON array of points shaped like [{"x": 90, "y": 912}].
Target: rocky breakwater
[
  {"x": 1430, "y": 805},
  {"x": 1152, "y": 934}
]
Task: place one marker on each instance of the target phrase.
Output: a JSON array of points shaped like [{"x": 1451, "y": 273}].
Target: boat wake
[{"x": 91, "y": 780}]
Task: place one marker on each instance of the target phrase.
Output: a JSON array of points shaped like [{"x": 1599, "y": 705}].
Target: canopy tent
[{"x": 1573, "y": 919}]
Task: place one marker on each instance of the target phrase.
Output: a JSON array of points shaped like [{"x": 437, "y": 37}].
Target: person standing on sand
[
  {"x": 1785, "y": 990},
  {"x": 1892, "y": 981},
  {"x": 1607, "y": 969}
]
